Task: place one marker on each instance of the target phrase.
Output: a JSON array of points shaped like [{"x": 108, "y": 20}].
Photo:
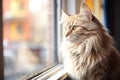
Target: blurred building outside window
[{"x": 28, "y": 36}]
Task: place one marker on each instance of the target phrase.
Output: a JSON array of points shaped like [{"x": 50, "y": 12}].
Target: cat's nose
[{"x": 68, "y": 33}]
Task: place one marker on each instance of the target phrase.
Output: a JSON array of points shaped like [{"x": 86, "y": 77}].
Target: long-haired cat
[{"x": 87, "y": 48}]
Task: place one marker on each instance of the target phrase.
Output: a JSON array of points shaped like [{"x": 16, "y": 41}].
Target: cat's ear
[
  {"x": 64, "y": 16},
  {"x": 85, "y": 11}
]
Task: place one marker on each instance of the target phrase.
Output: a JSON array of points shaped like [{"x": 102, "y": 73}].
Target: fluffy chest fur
[{"x": 81, "y": 65}]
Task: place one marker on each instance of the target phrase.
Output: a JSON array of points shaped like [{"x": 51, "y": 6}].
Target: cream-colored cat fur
[{"x": 87, "y": 48}]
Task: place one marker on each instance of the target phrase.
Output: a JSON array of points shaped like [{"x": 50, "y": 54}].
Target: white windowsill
[
  {"x": 55, "y": 73},
  {"x": 58, "y": 76}
]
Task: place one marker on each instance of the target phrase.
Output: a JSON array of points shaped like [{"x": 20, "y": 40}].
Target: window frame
[
  {"x": 1, "y": 45},
  {"x": 55, "y": 31}
]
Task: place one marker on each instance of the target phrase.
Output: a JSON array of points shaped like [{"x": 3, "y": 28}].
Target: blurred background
[
  {"x": 32, "y": 33},
  {"x": 28, "y": 31}
]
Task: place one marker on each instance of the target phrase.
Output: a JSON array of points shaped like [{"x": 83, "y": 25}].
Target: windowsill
[
  {"x": 51, "y": 73},
  {"x": 55, "y": 73},
  {"x": 60, "y": 75}
]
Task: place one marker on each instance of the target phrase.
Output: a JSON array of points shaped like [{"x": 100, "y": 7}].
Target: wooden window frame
[{"x": 1, "y": 45}]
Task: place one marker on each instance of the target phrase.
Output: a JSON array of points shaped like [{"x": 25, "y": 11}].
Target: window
[{"x": 29, "y": 37}]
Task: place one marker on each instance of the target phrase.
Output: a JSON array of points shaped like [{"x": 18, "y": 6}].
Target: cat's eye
[{"x": 74, "y": 27}]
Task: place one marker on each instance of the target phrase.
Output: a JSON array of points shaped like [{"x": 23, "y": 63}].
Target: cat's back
[{"x": 114, "y": 67}]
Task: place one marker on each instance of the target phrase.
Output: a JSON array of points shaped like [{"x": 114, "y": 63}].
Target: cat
[{"x": 87, "y": 48}]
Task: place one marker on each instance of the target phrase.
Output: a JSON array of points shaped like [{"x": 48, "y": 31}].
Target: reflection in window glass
[{"x": 28, "y": 36}]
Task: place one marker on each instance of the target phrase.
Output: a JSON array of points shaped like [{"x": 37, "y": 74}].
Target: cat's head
[{"x": 80, "y": 26}]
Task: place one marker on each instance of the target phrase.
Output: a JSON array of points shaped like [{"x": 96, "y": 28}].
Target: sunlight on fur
[{"x": 87, "y": 48}]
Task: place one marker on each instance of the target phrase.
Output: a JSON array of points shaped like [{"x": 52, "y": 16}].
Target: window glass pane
[{"x": 28, "y": 36}]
